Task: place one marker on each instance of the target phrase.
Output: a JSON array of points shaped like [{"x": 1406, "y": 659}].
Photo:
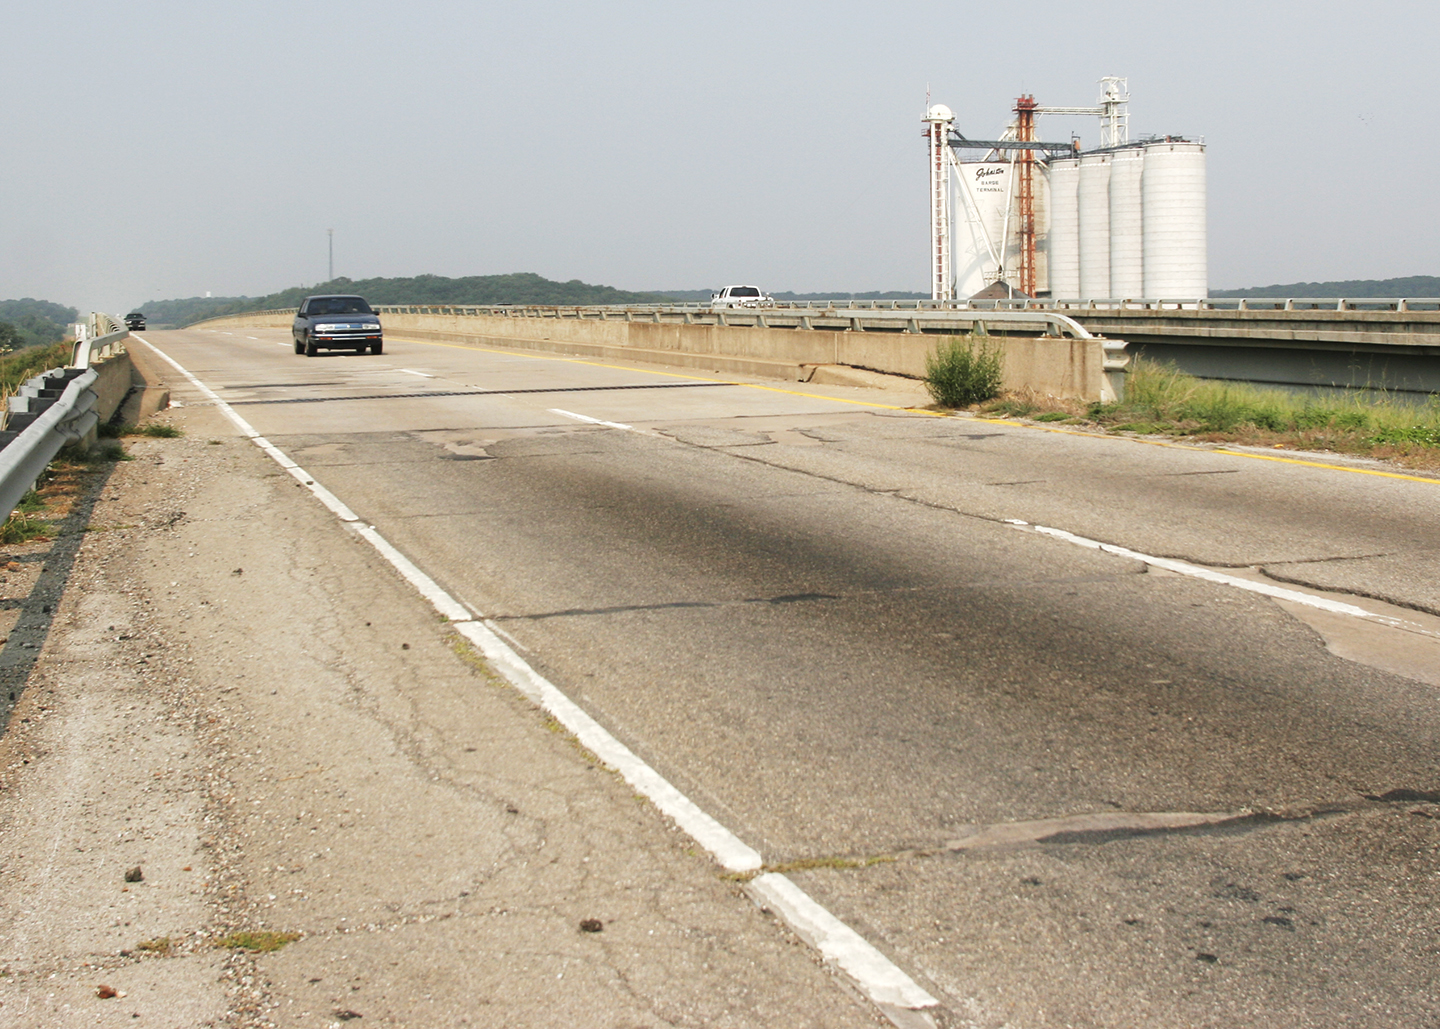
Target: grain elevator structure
[{"x": 1016, "y": 216}]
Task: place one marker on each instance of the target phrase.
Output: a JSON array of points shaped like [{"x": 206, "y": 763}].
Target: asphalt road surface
[{"x": 1057, "y": 786}]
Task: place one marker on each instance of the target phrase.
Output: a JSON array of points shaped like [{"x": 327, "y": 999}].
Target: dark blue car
[{"x": 336, "y": 323}]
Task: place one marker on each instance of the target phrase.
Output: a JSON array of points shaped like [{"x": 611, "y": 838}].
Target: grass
[
  {"x": 157, "y": 429},
  {"x": 31, "y": 361},
  {"x": 962, "y": 371},
  {"x": 159, "y": 945},
  {"x": 22, "y": 528},
  {"x": 1161, "y": 401},
  {"x": 258, "y": 942},
  {"x": 110, "y": 450}
]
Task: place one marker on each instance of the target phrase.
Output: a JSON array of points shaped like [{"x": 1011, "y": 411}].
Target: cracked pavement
[
  {"x": 1187, "y": 805},
  {"x": 239, "y": 698}
]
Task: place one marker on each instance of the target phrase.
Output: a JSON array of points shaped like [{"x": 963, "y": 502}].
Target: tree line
[
  {"x": 1409, "y": 286},
  {"x": 516, "y": 288},
  {"x": 32, "y": 323}
]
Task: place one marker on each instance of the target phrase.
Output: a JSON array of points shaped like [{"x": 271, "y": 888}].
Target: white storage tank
[
  {"x": 985, "y": 191},
  {"x": 1064, "y": 234},
  {"x": 1127, "y": 243},
  {"x": 1094, "y": 203},
  {"x": 1173, "y": 198}
]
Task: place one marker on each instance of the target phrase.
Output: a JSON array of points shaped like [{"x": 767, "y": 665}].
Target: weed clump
[
  {"x": 259, "y": 942},
  {"x": 160, "y": 430},
  {"x": 111, "y": 450},
  {"x": 962, "y": 372},
  {"x": 23, "y": 528}
]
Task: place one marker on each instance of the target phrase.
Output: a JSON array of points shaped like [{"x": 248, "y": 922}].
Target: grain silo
[
  {"x": 1127, "y": 243},
  {"x": 1123, "y": 221},
  {"x": 984, "y": 224},
  {"x": 1093, "y": 197},
  {"x": 1173, "y": 191},
  {"x": 1065, "y": 227}
]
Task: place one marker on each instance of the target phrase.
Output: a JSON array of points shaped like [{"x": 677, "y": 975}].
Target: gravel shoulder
[{"x": 233, "y": 694}]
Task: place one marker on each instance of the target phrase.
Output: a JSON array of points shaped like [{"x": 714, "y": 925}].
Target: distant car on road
[
  {"x": 740, "y": 296},
  {"x": 135, "y": 321},
  {"x": 335, "y": 322}
]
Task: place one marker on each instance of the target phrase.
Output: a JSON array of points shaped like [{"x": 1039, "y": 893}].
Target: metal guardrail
[
  {"x": 51, "y": 410},
  {"x": 63, "y": 418},
  {"x": 1370, "y": 304},
  {"x": 1401, "y": 304},
  {"x": 932, "y": 319}
]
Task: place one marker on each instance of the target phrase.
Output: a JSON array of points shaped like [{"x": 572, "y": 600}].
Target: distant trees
[
  {"x": 1409, "y": 286},
  {"x": 516, "y": 288},
  {"x": 31, "y": 323}
]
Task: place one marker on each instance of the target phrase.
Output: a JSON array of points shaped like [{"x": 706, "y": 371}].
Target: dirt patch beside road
[{"x": 239, "y": 698}]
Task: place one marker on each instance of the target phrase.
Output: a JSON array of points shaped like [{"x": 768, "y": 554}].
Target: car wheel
[
  {"x": 299, "y": 347},
  {"x": 376, "y": 348},
  {"x": 310, "y": 348}
]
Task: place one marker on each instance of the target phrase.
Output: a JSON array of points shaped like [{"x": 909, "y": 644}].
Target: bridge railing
[{"x": 1082, "y": 307}]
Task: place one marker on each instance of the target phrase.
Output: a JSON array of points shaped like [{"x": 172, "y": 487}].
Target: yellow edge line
[{"x": 935, "y": 414}]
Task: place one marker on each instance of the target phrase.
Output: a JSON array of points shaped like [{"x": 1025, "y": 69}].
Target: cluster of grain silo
[
  {"x": 1123, "y": 221},
  {"x": 1129, "y": 222}
]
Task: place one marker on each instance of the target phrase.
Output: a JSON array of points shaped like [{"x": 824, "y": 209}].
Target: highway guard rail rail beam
[
  {"x": 53, "y": 409},
  {"x": 64, "y": 418}
]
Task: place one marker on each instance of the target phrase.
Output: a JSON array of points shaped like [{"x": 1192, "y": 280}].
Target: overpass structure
[{"x": 1075, "y": 348}]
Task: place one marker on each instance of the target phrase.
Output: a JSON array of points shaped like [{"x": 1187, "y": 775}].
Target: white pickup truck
[{"x": 740, "y": 296}]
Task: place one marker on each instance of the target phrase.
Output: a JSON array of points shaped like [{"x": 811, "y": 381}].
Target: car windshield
[
  {"x": 339, "y": 305},
  {"x": 744, "y": 291}
]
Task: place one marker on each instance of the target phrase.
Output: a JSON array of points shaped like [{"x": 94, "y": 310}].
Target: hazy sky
[{"x": 163, "y": 149}]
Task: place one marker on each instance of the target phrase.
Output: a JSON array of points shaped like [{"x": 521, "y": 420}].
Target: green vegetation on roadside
[
  {"x": 962, "y": 370},
  {"x": 22, "y": 528},
  {"x": 25, "y": 364},
  {"x": 1160, "y": 400},
  {"x": 161, "y": 430},
  {"x": 32, "y": 323},
  {"x": 262, "y": 941}
]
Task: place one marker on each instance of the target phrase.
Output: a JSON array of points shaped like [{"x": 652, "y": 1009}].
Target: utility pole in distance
[{"x": 331, "y": 234}]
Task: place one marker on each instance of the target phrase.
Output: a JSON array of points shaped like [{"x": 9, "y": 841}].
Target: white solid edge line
[
  {"x": 592, "y": 421},
  {"x": 879, "y": 977},
  {"x": 411, "y": 371},
  {"x": 1198, "y": 572},
  {"x": 322, "y": 494},
  {"x": 729, "y": 850},
  {"x": 427, "y": 587},
  {"x": 840, "y": 944}
]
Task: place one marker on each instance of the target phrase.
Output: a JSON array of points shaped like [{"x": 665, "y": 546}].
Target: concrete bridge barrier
[{"x": 802, "y": 348}]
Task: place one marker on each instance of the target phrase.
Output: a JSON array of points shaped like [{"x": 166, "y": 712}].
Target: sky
[{"x": 164, "y": 149}]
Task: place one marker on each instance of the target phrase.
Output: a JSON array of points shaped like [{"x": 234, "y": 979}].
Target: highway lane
[{"x": 812, "y": 616}]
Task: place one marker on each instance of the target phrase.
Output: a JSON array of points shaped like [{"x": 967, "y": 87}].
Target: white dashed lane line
[
  {"x": 1210, "y": 575},
  {"x": 592, "y": 421}
]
